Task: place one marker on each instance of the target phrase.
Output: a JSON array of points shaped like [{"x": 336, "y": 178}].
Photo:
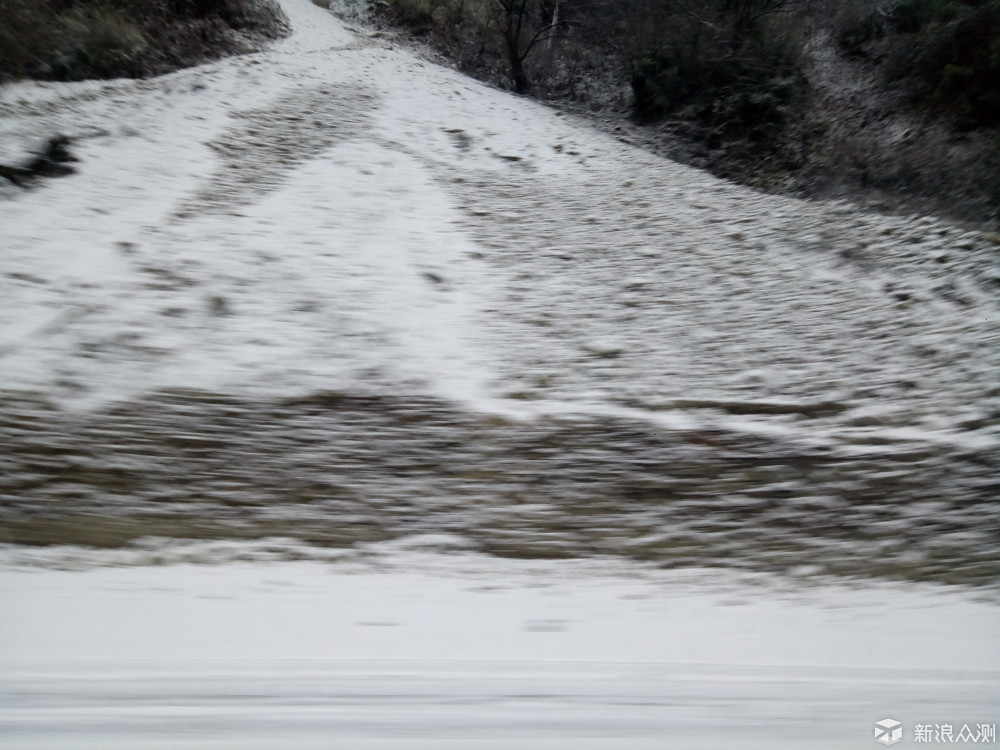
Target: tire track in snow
[{"x": 256, "y": 155}]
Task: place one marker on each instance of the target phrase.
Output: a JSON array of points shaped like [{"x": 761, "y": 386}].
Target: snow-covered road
[{"x": 396, "y": 649}]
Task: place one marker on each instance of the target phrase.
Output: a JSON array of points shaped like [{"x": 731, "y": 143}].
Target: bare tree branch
[{"x": 540, "y": 35}]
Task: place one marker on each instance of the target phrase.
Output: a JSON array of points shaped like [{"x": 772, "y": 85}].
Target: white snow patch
[{"x": 461, "y": 648}]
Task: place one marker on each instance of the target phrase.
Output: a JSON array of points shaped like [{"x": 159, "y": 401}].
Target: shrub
[
  {"x": 730, "y": 74},
  {"x": 946, "y": 52},
  {"x": 426, "y": 16},
  {"x": 25, "y": 31},
  {"x": 77, "y": 39},
  {"x": 857, "y": 24},
  {"x": 954, "y": 64},
  {"x": 100, "y": 42}
]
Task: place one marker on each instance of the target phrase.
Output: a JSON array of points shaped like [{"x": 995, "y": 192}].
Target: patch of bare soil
[{"x": 336, "y": 469}]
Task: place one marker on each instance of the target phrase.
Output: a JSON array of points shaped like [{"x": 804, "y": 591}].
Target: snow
[
  {"x": 336, "y": 215},
  {"x": 275, "y": 223},
  {"x": 394, "y": 647}
]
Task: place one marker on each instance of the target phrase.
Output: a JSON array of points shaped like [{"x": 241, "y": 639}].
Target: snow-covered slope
[
  {"x": 681, "y": 357},
  {"x": 269, "y": 220},
  {"x": 331, "y": 294}
]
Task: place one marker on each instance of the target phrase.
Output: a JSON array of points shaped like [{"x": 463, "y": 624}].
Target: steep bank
[{"x": 333, "y": 289}]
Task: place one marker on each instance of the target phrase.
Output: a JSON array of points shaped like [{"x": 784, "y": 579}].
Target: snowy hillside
[{"x": 336, "y": 292}]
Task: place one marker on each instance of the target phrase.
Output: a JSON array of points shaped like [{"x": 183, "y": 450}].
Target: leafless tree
[{"x": 524, "y": 25}]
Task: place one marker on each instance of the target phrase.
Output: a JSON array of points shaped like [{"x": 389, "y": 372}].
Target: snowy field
[{"x": 494, "y": 429}]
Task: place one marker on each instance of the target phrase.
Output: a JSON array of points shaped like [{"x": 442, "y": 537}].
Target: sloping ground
[
  {"x": 335, "y": 292},
  {"x": 338, "y": 470}
]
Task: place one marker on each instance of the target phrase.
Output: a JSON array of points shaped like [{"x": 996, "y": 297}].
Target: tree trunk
[
  {"x": 517, "y": 75},
  {"x": 554, "y": 26}
]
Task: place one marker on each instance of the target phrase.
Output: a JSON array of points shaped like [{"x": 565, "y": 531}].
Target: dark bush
[
  {"x": 732, "y": 74},
  {"x": 99, "y": 42},
  {"x": 26, "y": 29},
  {"x": 78, "y": 39},
  {"x": 857, "y": 24},
  {"x": 948, "y": 54}
]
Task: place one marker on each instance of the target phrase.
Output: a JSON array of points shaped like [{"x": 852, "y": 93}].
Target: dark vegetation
[
  {"x": 946, "y": 52},
  {"x": 731, "y": 66},
  {"x": 72, "y": 40},
  {"x": 895, "y": 102},
  {"x": 52, "y": 161}
]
